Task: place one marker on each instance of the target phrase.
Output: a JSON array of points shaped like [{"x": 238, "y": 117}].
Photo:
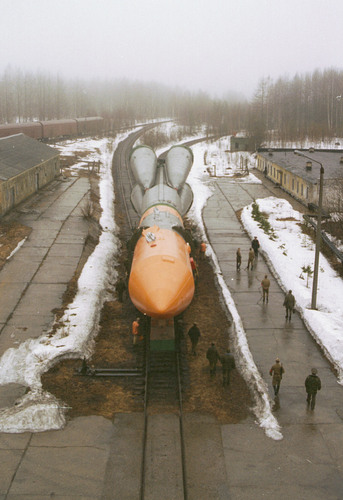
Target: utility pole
[{"x": 318, "y": 231}]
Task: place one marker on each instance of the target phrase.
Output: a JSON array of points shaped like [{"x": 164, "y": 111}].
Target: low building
[
  {"x": 299, "y": 176},
  {"x": 238, "y": 143},
  {"x": 25, "y": 166}
]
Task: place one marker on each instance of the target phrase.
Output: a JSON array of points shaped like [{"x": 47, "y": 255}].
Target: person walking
[
  {"x": 213, "y": 357},
  {"x": 255, "y": 245},
  {"x": 194, "y": 334},
  {"x": 194, "y": 269},
  {"x": 265, "y": 284},
  {"x": 238, "y": 259},
  {"x": 202, "y": 250},
  {"x": 251, "y": 258},
  {"x": 289, "y": 304},
  {"x": 277, "y": 370},
  {"x": 135, "y": 331},
  {"x": 120, "y": 289},
  {"x": 228, "y": 364},
  {"x": 312, "y": 385}
]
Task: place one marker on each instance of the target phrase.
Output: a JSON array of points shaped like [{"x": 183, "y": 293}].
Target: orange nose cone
[
  {"x": 162, "y": 300},
  {"x": 161, "y": 286}
]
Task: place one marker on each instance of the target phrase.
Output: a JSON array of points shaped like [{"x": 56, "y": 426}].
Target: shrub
[{"x": 262, "y": 221}]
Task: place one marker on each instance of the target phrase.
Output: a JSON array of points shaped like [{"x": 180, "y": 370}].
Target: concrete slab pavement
[
  {"x": 33, "y": 281},
  {"x": 57, "y": 464},
  {"x": 304, "y": 464}
]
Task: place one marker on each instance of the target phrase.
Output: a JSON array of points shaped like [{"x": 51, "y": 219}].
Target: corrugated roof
[
  {"x": 295, "y": 164},
  {"x": 19, "y": 153}
]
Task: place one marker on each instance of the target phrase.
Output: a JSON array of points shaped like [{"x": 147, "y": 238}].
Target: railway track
[
  {"x": 163, "y": 392},
  {"x": 164, "y": 372}
]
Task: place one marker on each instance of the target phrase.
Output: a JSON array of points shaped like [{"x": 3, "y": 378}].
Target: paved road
[{"x": 94, "y": 458}]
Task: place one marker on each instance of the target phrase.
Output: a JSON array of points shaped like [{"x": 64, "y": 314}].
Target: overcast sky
[{"x": 211, "y": 45}]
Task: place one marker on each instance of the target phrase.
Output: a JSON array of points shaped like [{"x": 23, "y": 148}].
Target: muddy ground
[
  {"x": 96, "y": 396},
  {"x": 113, "y": 348},
  {"x": 11, "y": 234}
]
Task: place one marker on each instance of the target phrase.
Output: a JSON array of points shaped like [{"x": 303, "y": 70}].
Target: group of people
[
  {"x": 313, "y": 383},
  {"x": 227, "y": 360},
  {"x": 289, "y": 302},
  {"x": 253, "y": 253}
]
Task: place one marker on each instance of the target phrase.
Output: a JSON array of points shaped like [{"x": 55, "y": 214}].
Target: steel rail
[
  {"x": 122, "y": 173},
  {"x": 182, "y": 439},
  {"x": 145, "y": 430},
  {"x": 146, "y": 419}
]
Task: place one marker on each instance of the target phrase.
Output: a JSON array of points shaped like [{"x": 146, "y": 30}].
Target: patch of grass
[{"x": 263, "y": 223}]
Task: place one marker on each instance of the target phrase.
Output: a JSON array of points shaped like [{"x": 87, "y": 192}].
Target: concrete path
[
  {"x": 32, "y": 282},
  {"x": 308, "y": 462}
]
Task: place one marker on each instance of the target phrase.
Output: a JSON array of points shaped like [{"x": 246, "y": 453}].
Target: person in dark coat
[
  {"x": 194, "y": 334},
  {"x": 255, "y": 245},
  {"x": 213, "y": 357},
  {"x": 312, "y": 385},
  {"x": 277, "y": 370},
  {"x": 228, "y": 364},
  {"x": 289, "y": 304},
  {"x": 251, "y": 258},
  {"x": 238, "y": 259},
  {"x": 120, "y": 289}
]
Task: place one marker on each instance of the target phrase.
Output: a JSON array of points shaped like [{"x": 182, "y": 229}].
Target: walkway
[
  {"x": 308, "y": 462},
  {"x": 33, "y": 281}
]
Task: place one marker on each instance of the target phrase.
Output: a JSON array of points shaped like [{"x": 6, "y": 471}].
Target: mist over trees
[{"x": 306, "y": 106}]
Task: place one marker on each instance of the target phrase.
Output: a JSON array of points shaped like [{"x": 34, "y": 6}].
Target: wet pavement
[
  {"x": 308, "y": 462},
  {"x": 33, "y": 281},
  {"x": 94, "y": 458}
]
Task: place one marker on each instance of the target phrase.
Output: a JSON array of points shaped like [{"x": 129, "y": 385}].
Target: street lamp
[{"x": 318, "y": 233}]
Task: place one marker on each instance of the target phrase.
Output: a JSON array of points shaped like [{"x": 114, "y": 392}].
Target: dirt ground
[
  {"x": 97, "y": 396},
  {"x": 113, "y": 345},
  {"x": 11, "y": 234},
  {"x": 114, "y": 349}
]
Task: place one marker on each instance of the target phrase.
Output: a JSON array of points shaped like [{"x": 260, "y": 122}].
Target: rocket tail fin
[
  {"x": 137, "y": 198},
  {"x": 186, "y": 197},
  {"x": 179, "y": 161}
]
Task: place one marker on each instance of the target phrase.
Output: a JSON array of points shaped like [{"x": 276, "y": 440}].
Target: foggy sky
[{"x": 211, "y": 45}]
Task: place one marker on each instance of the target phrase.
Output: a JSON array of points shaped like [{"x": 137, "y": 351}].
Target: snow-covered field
[{"x": 288, "y": 254}]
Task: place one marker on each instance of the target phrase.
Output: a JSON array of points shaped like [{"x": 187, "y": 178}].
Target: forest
[{"x": 305, "y": 106}]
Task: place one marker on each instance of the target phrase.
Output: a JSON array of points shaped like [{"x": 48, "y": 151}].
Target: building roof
[
  {"x": 330, "y": 159},
  {"x": 19, "y": 153}
]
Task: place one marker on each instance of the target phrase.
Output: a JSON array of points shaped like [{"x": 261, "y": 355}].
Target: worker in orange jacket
[
  {"x": 202, "y": 250},
  {"x": 135, "y": 331}
]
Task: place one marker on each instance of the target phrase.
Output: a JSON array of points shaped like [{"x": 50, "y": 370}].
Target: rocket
[{"x": 161, "y": 283}]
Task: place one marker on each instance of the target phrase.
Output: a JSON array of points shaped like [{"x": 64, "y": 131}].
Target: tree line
[{"x": 306, "y": 106}]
